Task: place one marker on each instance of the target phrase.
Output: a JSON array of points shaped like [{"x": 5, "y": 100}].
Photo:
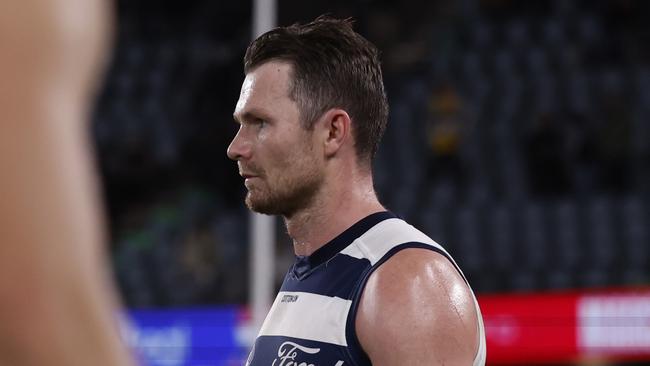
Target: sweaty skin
[
  {"x": 57, "y": 302},
  {"x": 432, "y": 317}
]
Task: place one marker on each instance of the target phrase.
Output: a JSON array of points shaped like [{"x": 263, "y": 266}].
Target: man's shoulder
[
  {"x": 419, "y": 299},
  {"x": 419, "y": 268}
]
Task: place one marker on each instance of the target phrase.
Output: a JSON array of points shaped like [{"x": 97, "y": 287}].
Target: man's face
[{"x": 278, "y": 158}]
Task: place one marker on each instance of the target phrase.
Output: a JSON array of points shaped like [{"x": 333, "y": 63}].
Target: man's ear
[{"x": 336, "y": 128}]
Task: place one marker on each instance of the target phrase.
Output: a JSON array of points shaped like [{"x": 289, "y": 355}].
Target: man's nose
[{"x": 239, "y": 148}]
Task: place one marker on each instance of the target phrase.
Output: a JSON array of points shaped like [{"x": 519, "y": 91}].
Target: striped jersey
[{"x": 312, "y": 320}]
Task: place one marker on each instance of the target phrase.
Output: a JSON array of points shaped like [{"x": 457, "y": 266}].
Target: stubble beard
[{"x": 288, "y": 196}]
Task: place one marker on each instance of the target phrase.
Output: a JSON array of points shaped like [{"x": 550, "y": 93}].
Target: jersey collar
[{"x": 304, "y": 264}]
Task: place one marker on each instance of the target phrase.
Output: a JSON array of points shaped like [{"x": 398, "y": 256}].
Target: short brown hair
[{"x": 333, "y": 67}]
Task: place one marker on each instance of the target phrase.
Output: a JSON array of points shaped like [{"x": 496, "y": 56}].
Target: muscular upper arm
[{"x": 417, "y": 310}]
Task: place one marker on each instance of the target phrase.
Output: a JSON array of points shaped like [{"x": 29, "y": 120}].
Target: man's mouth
[{"x": 248, "y": 176}]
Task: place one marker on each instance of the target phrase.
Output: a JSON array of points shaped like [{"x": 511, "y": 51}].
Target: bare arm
[
  {"x": 417, "y": 310},
  {"x": 57, "y": 303}
]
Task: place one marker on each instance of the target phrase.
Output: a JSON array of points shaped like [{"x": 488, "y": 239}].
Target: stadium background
[{"x": 518, "y": 138}]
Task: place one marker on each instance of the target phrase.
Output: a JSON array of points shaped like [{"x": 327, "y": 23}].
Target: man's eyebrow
[{"x": 248, "y": 116}]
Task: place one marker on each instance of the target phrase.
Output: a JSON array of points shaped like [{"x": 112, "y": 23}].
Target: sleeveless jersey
[{"x": 312, "y": 320}]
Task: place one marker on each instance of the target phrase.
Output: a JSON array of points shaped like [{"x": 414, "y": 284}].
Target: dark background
[{"x": 518, "y": 139}]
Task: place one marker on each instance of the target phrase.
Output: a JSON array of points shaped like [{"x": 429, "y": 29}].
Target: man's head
[
  {"x": 333, "y": 67},
  {"x": 311, "y": 104}
]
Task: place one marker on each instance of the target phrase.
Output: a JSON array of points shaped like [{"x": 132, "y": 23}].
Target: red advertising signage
[{"x": 562, "y": 327}]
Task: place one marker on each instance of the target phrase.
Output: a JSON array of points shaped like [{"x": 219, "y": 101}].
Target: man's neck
[{"x": 329, "y": 216}]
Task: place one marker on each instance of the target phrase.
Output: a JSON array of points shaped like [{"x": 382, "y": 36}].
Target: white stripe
[
  {"x": 383, "y": 237},
  {"x": 312, "y": 316},
  {"x": 481, "y": 352}
]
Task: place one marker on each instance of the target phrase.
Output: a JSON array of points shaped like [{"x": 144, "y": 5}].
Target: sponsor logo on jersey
[
  {"x": 289, "y": 298},
  {"x": 290, "y": 354}
]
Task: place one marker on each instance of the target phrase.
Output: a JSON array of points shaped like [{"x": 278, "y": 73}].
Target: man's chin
[{"x": 261, "y": 206}]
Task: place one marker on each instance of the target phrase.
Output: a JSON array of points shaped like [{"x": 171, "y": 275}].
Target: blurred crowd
[{"x": 518, "y": 138}]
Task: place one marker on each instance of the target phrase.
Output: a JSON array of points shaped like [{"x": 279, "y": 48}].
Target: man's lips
[{"x": 248, "y": 177}]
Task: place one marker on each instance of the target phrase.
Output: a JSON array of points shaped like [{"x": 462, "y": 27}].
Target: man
[
  {"x": 57, "y": 304},
  {"x": 366, "y": 287}
]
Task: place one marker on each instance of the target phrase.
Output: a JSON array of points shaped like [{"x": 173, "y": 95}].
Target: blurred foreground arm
[{"x": 57, "y": 302}]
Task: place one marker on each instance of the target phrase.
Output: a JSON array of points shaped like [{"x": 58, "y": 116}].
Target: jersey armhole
[{"x": 355, "y": 351}]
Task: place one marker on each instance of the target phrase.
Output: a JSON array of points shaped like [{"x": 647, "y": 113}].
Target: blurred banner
[
  {"x": 567, "y": 327},
  {"x": 190, "y": 337},
  {"x": 521, "y": 329}
]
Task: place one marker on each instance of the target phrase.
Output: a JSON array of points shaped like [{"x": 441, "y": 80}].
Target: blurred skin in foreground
[{"x": 57, "y": 302}]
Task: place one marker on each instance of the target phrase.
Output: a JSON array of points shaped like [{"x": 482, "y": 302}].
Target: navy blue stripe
[
  {"x": 332, "y": 279},
  {"x": 305, "y": 265},
  {"x": 357, "y": 354}
]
